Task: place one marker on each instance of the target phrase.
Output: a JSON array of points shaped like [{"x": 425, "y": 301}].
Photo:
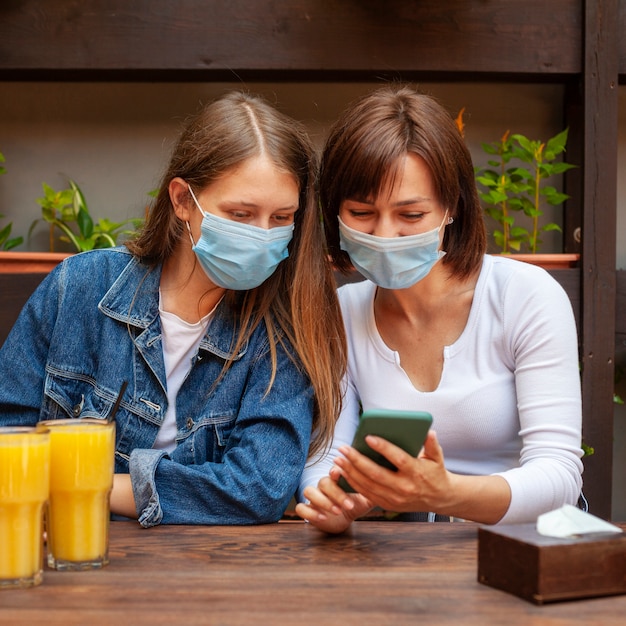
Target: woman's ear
[{"x": 180, "y": 198}]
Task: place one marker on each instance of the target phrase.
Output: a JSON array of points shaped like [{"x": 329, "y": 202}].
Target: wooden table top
[{"x": 289, "y": 573}]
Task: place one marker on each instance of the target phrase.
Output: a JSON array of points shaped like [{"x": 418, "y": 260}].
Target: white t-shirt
[
  {"x": 180, "y": 341},
  {"x": 508, "y": 401}
]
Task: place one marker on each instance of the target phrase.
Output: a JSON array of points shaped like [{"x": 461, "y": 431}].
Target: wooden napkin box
[{"x": 541, "y": 569}]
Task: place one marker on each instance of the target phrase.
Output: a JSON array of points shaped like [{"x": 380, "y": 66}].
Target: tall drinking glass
[
  {"x": 24, "y": 485},
  {"x": 81, "y": 478}
]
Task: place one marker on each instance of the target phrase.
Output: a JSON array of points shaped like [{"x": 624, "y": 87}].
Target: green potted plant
[
  {"x": 66, "y": 210},
  {"x": 515, "y": 186},
  {"x": 6, "y": 241},
  {"x": 67, "y": 214}
]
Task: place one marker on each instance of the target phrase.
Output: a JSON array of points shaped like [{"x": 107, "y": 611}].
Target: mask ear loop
[
  {"x": 447, "y": 222},
  {"x": 193, "y": 243},
  {"x": 193, "y": 195}
]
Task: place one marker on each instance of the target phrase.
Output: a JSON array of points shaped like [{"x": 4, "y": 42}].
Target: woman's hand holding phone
[
  {"x": 333, "y": 505},
  {"x": 405, "y": 429}
]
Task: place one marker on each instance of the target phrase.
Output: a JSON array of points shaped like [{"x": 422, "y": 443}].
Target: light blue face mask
[
  {"x": 238, "y": 256},
  {"x": 392, "y": 262}
]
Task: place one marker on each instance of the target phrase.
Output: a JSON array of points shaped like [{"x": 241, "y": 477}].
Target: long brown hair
[
  {"x": 363, "y": 151},
  {"x": 298, "y": 303}
]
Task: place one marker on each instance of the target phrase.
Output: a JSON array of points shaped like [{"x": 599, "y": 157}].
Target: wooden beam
[
  {"x": 598, "y": 255},
  {"x": 200, "y": 40},
  {"x": 620, "y": 311},
  {"x": 622, "y": 41},
  {"x": 574, "y": 120}
]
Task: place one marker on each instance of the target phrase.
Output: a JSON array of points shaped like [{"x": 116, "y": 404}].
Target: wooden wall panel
[
  {"x": 622, "y": 41},
  {"x": 225, "y": 39},
  {"x": 15, "y": 290},
  {"x": 598, "y": 259},
  {"x": 620, "y": 311}
]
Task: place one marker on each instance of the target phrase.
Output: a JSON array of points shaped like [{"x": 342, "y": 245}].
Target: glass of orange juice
[
  {"x": 81, "y": 478},
  {"x": 24, "y": 485}
]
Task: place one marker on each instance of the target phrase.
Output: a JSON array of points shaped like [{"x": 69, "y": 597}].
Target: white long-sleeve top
[{"x": 508, "y": 401}]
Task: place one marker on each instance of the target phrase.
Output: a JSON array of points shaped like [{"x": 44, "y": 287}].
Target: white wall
[{"x": 114, "y": 138}]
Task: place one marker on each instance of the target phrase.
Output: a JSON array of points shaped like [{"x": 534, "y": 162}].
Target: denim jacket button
[
  {"x": 189, "y": 423},
  {"x": 79, "y": 407}
]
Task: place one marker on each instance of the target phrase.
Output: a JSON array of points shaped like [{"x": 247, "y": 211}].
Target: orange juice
[
  {"x": 81, "y": 478},
  {"x": 24, "y": 484}
]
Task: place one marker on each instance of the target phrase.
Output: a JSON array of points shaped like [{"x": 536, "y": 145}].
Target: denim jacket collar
[{"x": 139, "y": 307}]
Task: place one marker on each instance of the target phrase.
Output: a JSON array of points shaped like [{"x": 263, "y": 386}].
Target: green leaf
[
  {"x": 106, "y": 241},
  {"x": 78, "y": 198},
  {"x": 487, "y": 181},
  {"x": 494, "y": 212},
  {"x": 70, "y": 236},
  {"x": 12, "y": 243},
  {"x": 498, "y": 238},
  {"x": 507, "y": 220},
  {"x": 561, "y": 166},
  {"x": 519, "y": 233},
  {"x": 85, "y": 223},
  {"x": 551, "y": 226},
  {"x": 587, "y": 450},
  {"x": 555, "y": 197},
  {"x": 556, "y": 144}
]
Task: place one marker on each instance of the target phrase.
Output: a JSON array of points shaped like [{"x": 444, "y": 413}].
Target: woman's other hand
[{"x": 329, "y": 507}]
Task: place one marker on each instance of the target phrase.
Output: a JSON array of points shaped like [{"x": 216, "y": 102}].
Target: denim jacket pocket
[
  {"x": 69, "y": 394},
  {"x": 207, "y": 439}
]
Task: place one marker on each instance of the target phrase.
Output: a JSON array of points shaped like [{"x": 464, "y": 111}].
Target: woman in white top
[{"x": 486, "y": 344}]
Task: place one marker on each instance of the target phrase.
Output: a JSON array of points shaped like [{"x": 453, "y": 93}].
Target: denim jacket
[{"x": 93, "y": 323}]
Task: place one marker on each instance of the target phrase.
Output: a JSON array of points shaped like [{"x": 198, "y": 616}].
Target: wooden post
[{"x": 600, "y": 82}]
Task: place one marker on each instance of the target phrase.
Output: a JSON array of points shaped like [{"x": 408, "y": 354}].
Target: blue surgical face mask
[
  {"x": 238, "y": 256},
  {"x": 392, "y": 262}
]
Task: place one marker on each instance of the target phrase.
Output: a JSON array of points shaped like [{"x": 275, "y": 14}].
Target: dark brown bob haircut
[{"x": 362, "y": 154}]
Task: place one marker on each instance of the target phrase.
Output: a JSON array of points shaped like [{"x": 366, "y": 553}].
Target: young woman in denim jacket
[
  {"x": 486, "y": 344},
  {"x": 222, "y": 317}
]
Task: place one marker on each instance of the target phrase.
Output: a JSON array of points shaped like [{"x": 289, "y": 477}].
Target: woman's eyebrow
[
  {"x": 409, "y": 201},
  {"x": 252, "y": 205}
]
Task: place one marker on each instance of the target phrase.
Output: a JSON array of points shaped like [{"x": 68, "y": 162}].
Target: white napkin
[{"x": 569, "y": 521}]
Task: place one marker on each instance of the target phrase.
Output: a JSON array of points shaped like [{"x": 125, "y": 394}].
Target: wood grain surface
[
  {"x": 226, "y": 39},
  {"x": 289, "y": 573}
]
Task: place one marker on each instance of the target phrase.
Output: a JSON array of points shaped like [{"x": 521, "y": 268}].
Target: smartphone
[{"x": 405, "y": 429}]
